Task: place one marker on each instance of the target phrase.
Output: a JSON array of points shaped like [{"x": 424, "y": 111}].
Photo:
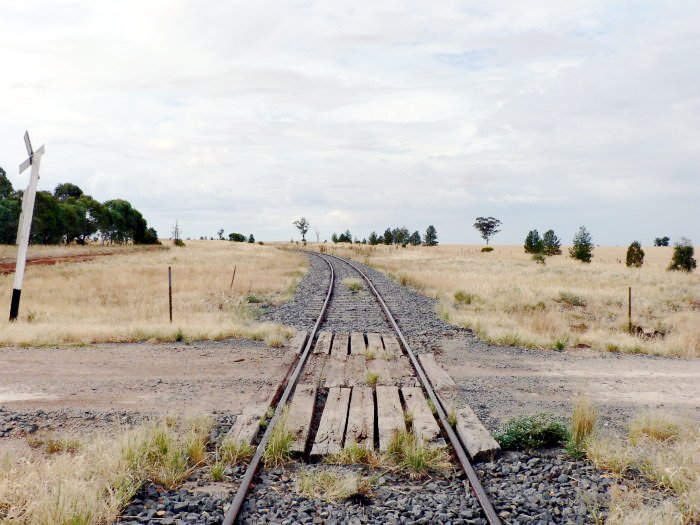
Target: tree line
[
  {"x": 398, "y": 236},
  {"x": 68, "y": 215}
]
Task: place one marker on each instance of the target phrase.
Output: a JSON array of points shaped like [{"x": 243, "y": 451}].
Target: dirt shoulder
[
  {"x": 147, "y": 378},
  {"x": 504, "y": 382}
]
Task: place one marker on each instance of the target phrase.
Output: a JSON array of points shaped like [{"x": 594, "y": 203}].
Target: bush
[
  {"x": 582, "y": 248},
  {"x": 487, "y": 249},
  {"x": 683, "y": 259},
  {"x": 530, "y": 432},
  {"x": 179, "y": 242},
  {"x": 635, "y": 255}
]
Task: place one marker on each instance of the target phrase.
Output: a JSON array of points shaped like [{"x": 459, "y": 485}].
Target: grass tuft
[
  {"x": 353, "y": 284},
  {"x": 232, "y": 452},
  {"x": 408, "y": 452},
  {"x": 278, "y": 450},
  {"x": 355, "y": 454},
  {"x": 654, "y": 427},
  {"x": 583, "y": 421},
  {"x": 372, "y": 378},
  {"x": 217, "y": 471},
  {"x": 332, "y": 485},
  {"x": 531, "y": 432}
]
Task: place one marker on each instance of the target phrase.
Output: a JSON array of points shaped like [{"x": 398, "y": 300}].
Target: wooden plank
[
  {"x": 383, "y": 369},
  {"x": 355, "y": 372},
  {"x": 374, "y": 344},
  {"x": 323, "y": 343},
  {"x": 357, "y": 343},
  {"x": 391, "y": 346},
  {"x": 437, "y": 375},
  {"x": 361, "y": 418},
  {"x": 340, "y": 344},
  {"x": 301, "y": 410},
  {"x": 329, "y": 437},
  {"x": 313, "y": 371},
  {"x": 476, "y": 439},
  {"x": 247, "y": 424},
  {"x": 389, "y": 415},
  {"x": 422, "y": 420},
  {"x": 298, "y": 341},
  {"x": 334, "y": 371},
  {"x": 400, "y": 368}
]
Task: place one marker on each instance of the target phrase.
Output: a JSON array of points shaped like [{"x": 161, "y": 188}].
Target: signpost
[{"x": 25, "y": 221}]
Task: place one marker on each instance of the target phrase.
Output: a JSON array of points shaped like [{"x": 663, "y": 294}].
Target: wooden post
[
  {"x": 170, "y": 293},
  {"x": 232, "y": 278},
  {"x": 25, "y": 222},
  {"x": 629, "y": 309}
]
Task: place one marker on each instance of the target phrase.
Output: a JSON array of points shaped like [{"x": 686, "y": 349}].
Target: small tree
[
  {"x": 251, "y": 239},
  {"x": 414, "y": 239},
  {"x": 334, "y": 238},
  {"x": 662, "y": 241},
  {"x": 373, "y": 239},
  {"x": 683, "y": 259},
  {"x": 236, "y": 237},
  {"x": 635, "y": 255},
  {"x": 388, "y": 236},
  {"x": 430, "y": 237},
  {"x": 533, "y": 243},
  {"x": 177, "y": 241},
  {"x": 487, "y": 226},
  {"x": 582, "y": 248},
  {"x": 303, "y": 227},
  {"x": 220, "y": 234},
  {"x": 552, "y": 245}
]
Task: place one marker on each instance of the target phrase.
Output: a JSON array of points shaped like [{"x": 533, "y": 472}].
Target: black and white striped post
[{"x": 25, "y": 221}]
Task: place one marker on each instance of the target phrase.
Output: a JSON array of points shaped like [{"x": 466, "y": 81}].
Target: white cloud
[{"x": 364, "y": 115}]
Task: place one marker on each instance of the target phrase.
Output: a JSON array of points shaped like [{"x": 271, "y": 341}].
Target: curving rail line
[{"x": 291, "y": 380}]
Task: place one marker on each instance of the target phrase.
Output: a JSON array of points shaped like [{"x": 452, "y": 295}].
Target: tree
[
  {"x": 334, "y": 238},
  {"x": 487, "y": 226},
  {"x": 303, "y": 227},
  {"x": 430, "y": 237},
  {"x": 388, "y": 236},
  {"x": 236, "y": 237},
  {"x": 683, "y": 259},
  {"x": 582, "y": 248},
  {"x": 251, "y": 239},
  {"x": 662, "y": 241},
  {"x": 414, "y": 239},
  {"x": 552, "y": 245},
  {"x": 220, "y": 234},
  {"x": 533, "y": 243},
  {"x": 345, "y": 237},
  {"x": 373, "y": 239},
  {"x": 66, "y": 190},
  {"x": 400, "y": 236},
  {"x": 9, "y": 220},
  {"x": 635, "y": 255},
  {"x": 5, "y": 185}
]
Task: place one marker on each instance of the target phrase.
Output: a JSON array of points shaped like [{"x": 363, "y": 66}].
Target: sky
[{"x": 362, "y": 115}]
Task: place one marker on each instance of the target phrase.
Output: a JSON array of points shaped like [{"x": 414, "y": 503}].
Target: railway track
[{"x": 338, "y": 361}]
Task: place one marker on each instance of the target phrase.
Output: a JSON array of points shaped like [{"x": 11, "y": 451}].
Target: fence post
[{"x": 170, "y": 293}]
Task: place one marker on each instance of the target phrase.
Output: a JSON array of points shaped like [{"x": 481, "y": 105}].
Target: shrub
[
  {"x": 571, "y": 299},
  {"x": 179, "y": 242},
  {"x": 487, "y": 249},
  {"x": 582, "y": 248},
  {"x": 354, "y": 285},
  {"x": 635, "y": 255},
  {"x": 531, "y": 432},
  {"x": 462, "y": 297},
  {"x": 683, "y": 259},
  {"x": 539, "y": 258}
]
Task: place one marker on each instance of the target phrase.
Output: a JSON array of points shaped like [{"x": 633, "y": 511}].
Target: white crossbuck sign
[{"x": 25, "y": 221}]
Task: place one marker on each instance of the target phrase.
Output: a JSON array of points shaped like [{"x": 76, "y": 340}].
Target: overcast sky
[{"x": 363, "y": 115}]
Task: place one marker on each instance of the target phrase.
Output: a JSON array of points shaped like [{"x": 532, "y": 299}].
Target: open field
[
  {"x": 507, "y": 298},
  {"x": 124, "y": 297}
]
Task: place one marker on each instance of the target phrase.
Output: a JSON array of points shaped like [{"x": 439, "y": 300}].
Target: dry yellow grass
[
  {"x": 124, "y": 297},
  {"x": 664, "y": 450},
  {"x": 93, "y": 484},
  {"x": 506, "y": 298}
]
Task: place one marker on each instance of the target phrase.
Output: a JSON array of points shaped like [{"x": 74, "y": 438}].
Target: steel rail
[
  {"x": 457, "y": 444},
  {"x": 254, "y": 464}
]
